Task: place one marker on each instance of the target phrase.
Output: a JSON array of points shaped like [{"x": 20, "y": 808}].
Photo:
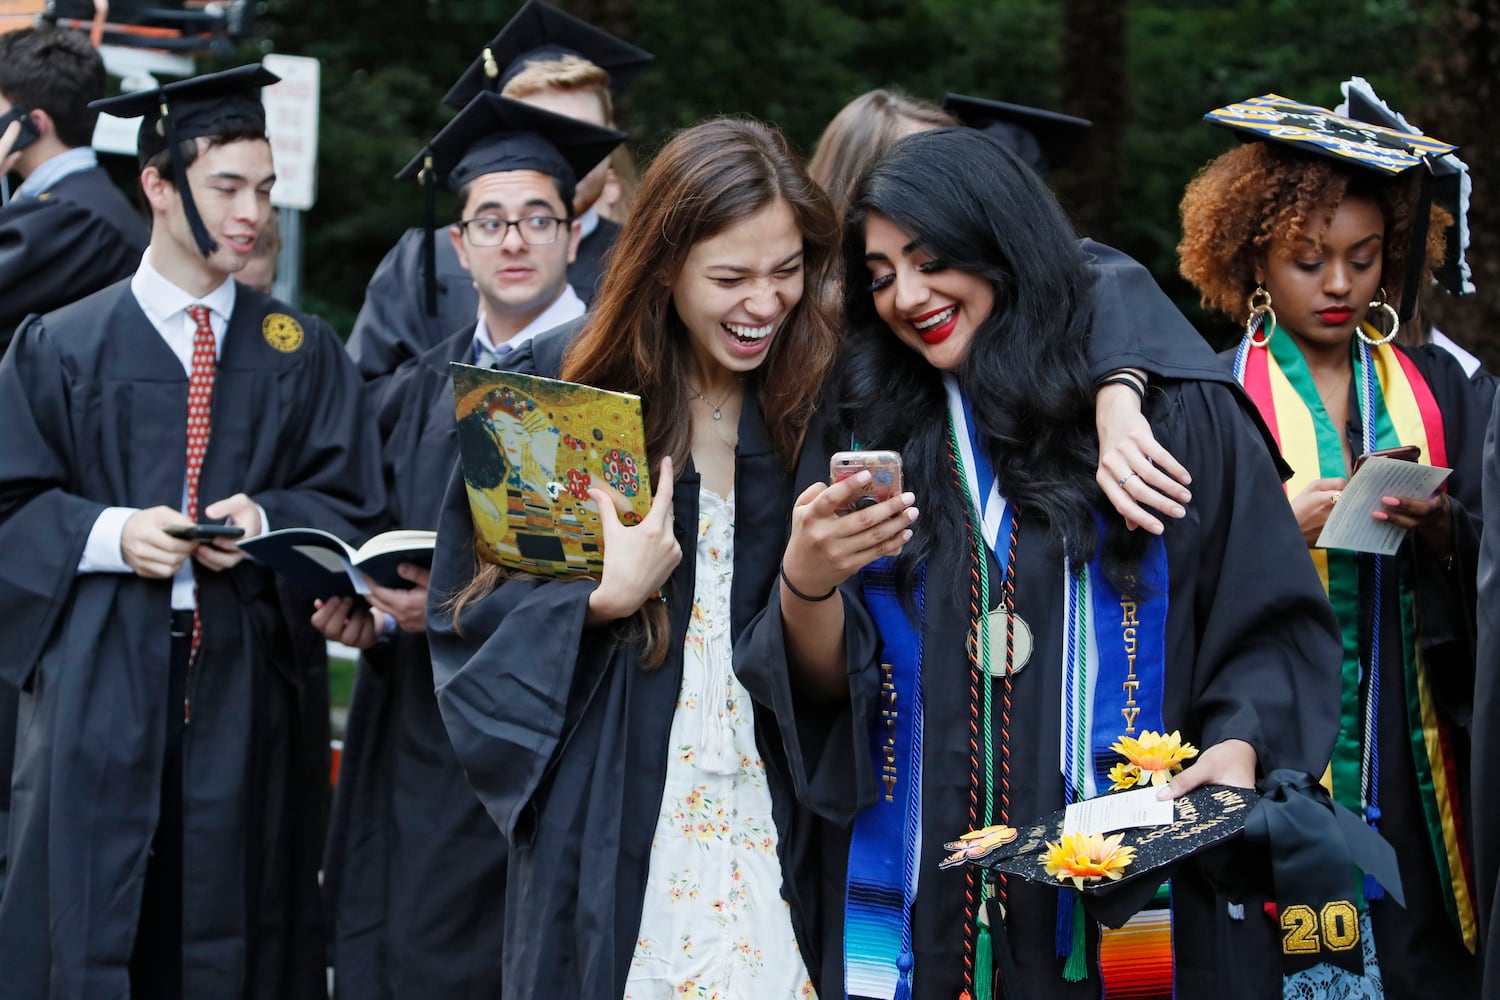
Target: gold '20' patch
[
  {"x": 282, "y": 332},
  {"x": 1338, "y": 921}
]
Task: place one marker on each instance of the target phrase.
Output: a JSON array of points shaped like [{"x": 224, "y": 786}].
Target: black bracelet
[
  {"x": 800, "y": 595},
  {"x": 1126, "y": 380}
]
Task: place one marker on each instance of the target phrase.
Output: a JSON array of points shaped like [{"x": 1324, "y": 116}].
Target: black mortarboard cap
[
  {"x": 494, "y": 134},
  {"x": 540, "y": 32},
  {"x": 1042, "y": 139},
  {"x": 1317, "y": 131},
  {"x": 1450, "y": 181},
  {"x": 221, "y": 103}
]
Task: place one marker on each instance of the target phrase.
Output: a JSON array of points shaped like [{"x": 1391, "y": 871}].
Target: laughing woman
[
  {"x": 969, "y": 312},
  {"x": 1302, "y": 247},
  {"x": 650, "y": 831}
]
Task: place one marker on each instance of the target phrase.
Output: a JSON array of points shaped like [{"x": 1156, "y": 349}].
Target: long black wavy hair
[{"x": 973, "y": 206}]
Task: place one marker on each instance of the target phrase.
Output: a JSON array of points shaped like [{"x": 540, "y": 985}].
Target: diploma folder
[
  {"x": 323, "y": 565},
  {"x": 531, "y": 448}
]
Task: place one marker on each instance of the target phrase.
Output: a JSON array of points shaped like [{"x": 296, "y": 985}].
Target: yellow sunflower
[
  {"x": 1154, "y": 754},
  {"x": 1085, "y": 857},
  {"x": 1126, "y": 776}
]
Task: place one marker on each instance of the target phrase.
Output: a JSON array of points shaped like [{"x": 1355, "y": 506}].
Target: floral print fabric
[{"x": 714, "y": 925}]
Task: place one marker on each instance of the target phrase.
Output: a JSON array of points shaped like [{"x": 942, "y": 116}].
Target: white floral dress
[{"x": 714, "y": 923}]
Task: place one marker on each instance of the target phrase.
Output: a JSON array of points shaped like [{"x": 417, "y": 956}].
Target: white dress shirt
[
  {"x": 165, "y": 305},
  {"x": 567, "y": 306}
]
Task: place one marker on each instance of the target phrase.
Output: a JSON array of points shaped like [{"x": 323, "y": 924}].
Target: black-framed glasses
[{"x": 490, "y": 231}]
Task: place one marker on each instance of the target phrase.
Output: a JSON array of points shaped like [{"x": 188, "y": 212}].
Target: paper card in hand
[{"x": 531, "y": 448}]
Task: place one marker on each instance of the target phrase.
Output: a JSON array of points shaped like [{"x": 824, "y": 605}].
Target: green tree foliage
[{"x": 386, "y": 64}]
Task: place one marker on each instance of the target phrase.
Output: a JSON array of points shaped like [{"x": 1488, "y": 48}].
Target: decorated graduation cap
[
  {"x": 1450, "y": 181},
  {"x": 224, "y": 103},
  {"x": 1042, "y": 139},
  {"x": 1383, "y": 151},
  {"x": 493, "y": 134},
  {"x": 540, "y": 32}
]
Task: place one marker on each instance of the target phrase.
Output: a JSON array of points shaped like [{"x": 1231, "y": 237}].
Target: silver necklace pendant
[
  {"x": 717, "y": 414},
  {"x": 1021, "y": 647}
]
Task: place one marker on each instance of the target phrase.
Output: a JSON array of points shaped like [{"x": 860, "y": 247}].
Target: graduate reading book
[
  {"x": 324, "y": 565},
  {"x": 531, "y": 448}
]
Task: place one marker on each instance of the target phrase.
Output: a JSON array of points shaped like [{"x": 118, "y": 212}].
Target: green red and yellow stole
[{"x": 1398, "y": 408}]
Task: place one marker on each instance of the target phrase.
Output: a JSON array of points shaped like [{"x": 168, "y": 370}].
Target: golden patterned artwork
[
  {"x": 531, "y": 448},
  {"x": 282, "y": 332}
]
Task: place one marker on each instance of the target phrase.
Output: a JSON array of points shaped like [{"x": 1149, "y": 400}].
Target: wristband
[
  {"x": 1130, "y": 383},
  {"x": 800, "y": 595}
]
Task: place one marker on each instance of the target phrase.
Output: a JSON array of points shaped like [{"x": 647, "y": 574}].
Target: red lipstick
[{"x": 1336, "y": 315}]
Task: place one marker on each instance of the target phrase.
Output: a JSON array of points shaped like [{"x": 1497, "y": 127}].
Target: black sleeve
[
  {"x": 1267, "y": 665},
  {"x": 53, "y": 253},
  {"x": 1486, "y": 729},
  {"x": 393, "y": 325}
]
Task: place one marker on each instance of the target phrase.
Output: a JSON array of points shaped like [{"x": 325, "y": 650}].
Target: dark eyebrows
[
  {"x": 1372, "y": 238},
  {"x": 739, "y": 269},
  {"x": 906, "y": 251},
  {"x": 230, "y": 175},
  {"x": 531, "y": 204}
]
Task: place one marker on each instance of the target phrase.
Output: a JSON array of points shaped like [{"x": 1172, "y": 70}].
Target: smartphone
[
  {"x": 885, "y": 476},
  {"x": 1405, "y": 453},
  {"x": 29, "y": 132},
  {"x": 204, "y": 532}
]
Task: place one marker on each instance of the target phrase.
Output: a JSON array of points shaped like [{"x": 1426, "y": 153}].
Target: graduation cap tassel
[
  {"x": 1062, "y": 939},
  {"x": 168, "y": 126},
  {"x": 429, "y": 252},
  {"x": 1076, "y": 969},
  {"x": 984, "y": 964}
]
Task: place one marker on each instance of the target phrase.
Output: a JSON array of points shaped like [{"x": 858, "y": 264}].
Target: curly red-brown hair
[{"x": 1259, "y": 192}]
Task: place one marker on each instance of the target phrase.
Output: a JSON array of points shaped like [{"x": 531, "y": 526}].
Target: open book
[
  {"x": 531, "y": 447},
  {"x": 324, "y": 565}
]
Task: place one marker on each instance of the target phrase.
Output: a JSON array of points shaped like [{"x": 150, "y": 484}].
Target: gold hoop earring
[
  {"x": 1384, "y": 306},
  {"x": 1260, "y": 307}
]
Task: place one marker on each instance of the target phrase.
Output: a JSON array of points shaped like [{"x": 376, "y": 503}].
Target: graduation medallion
[
  {"x": 1020, "y": 649},
  {"x": 282, "y": 332}
]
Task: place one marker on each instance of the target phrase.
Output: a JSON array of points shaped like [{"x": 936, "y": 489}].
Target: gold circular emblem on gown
[{"x": 282, "y": 332}]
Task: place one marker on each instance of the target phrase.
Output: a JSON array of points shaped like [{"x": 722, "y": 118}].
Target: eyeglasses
[{"x": 489, "y": 231}]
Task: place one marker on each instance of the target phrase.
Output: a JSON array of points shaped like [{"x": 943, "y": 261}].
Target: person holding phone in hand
[
  {"x": 1312, "y": 248},
  {"x": 915, "y": 663}
]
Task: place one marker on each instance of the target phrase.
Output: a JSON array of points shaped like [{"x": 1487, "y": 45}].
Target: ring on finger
[
  {"x": 1333, "y": 498},
  {"x": 1127, "y": 478}
]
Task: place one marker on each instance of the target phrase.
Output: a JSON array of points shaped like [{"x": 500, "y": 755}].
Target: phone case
[{"x": 885, "y": 476}]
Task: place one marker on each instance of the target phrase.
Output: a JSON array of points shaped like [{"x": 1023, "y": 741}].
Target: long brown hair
[
  {"x": 707, "y": 178},
  {"x": 861, "y": 133}
]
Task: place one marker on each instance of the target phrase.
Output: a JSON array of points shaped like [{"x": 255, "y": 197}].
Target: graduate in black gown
[
  {"x": 1486, "y": 728},
  {"x": 415, "y": 872},
  {"x": 544, "y": 57},
  {"x": 67, "y": 230},
  {"x": 1314, "y": 249},
  {"x": 170, "y": 786},
  {"x": 967, "y": 355}
]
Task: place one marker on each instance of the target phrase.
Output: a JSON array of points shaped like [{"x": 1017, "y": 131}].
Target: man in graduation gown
[
  {"x": 415, "y": 874},
  {"x": 67, "y": 231},
  {"x": 543, "y": 57},
  {"x": 170, "y": 781}
]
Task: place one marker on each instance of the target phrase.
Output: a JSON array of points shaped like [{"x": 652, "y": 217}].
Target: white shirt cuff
[{"x": 102, "y": 552}]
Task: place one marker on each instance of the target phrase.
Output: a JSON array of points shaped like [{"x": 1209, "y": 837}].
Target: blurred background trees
[{"x": 1144, "y": 70}]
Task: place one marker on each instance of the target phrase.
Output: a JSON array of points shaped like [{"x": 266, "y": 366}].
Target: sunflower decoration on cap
[
  {"x": 1082, "y": 858},
  {"x": 1150, "y": 758}
]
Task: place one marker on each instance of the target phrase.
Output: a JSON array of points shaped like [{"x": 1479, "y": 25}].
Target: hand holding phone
[
  {"x": 29, "y": 132},
  {"x": 885, "y": 476},
  {"x": 204, "y": 532},
  {"x": 1404, "y": 453}
]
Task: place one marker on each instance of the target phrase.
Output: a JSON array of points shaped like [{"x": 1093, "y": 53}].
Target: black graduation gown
[
  {"x": 564, "y": 735},
  {"x": 93, "y": 405},
  {"x": 415, "y": 870},
  {"x": 78, "y": 237},
  {"x": 1228, "y": 676},
  {"x": 393, "y": 324},
  {"x": 1486, "y": 828},
  {"x": 1420, "y": 951}
]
